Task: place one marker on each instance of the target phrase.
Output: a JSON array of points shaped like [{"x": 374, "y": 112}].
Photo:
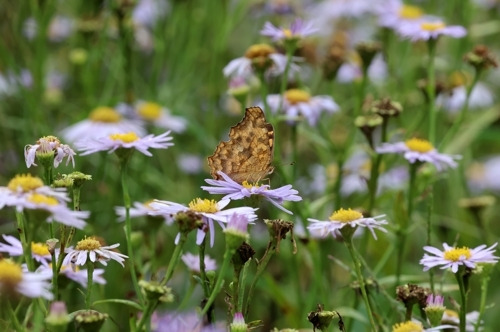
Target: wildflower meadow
[{"x": 249, "y": 165}]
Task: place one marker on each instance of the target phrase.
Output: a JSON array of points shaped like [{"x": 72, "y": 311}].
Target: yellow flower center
[
  {"x": 10, "y": 273},
  {"x": 89, "y": 243},
  {"x": 287, "y": 32},
  {"x": 104, "y": 114},
  {"x": 451, "y": 313},
  {"x": 149, "y": 111},
  {"x": 456, "y": 253},
  {"x": 42, "y": 199},
  {"x": 125, "y": 138},
  {"x": 410, "y": 12},
  {"x": 40, "y": 249},
  {"x": 203, "y": 205},
  {"x": 249, "y": 185},
  {"x": 419, "y": 145},
  {"x": 432, "y": 26},
  {"x": 458, "y": 79},
  {"x": 27, "y": 182},
  {"x": 345, "y": 216},
  {"x": 295, "y": 96},
  {"x": 408, "y": 327},
  {"x": 49, "y": 138},
  {"x": 259, "y": 50}
]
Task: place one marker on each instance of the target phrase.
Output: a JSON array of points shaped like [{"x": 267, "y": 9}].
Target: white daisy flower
[
  {"x": 102, "y": 121},
  {"x": 125, "y": 141},
  {"x": 421, "y": 150},
  {"x": 49, "y": 145},
  {"x": 90, "y": 248},
  {"x": 343, "y": 218},
  {"x": 153, "y": 113},
  {"x": 193, "y": 262},
  {"x": 259, "y": 57},
  {"x": 210, "y": 210},
  {"x": 28, "y": 192},
  {"x": 393, "y": 13},
  {"x": 429, "y": 28},
  {"x": 454, "y": 257},
  {"x": 299, "y": 104},
  {"x": 451, "y": 317},
  {"x": 39, "y": 251},
  {"x": 15, "y": 279}
]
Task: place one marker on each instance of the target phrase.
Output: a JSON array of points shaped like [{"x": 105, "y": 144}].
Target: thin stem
[
  {"x": 402, "y": 232},
  {"x": 338, "y": 183},
  {"x": 263, "y": 91},
  {"x": 12, "y": 315},
  {"x": 21, "y": 224},
  {"x": 431, "y": 90},
  {"x": 482, "y": 305},
  {"x": 90, "y": 283},
  {"x": 362, "y": 286},
  {"x": 128, "y": 229},
  {"x": 284, "y": 81},
  {"x": 430, "y": 208},
  {"x": 205, "y": 284},
  {"x": 220, "y": 280},
  {"x": 463, "y": 299},
  {"x": 174, "y": 259},
  {"x": 146, "y": 314}
]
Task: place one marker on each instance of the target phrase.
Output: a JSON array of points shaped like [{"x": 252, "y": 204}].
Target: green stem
[
  {"x": 338, "y": 183},
  {"x": 236, "y": 289},
  {"x": 463, "y": 298},
  {"x": 361, "y": 92},
  {"x": 220, "y": 280},
  {"x": 402, "y": 232},
  {"x": 431, "y": 90},
  {"x": 284, "y": 81},
  {"x": 12, "y": 315},
  {"x": 90, "y": 283},
  {"x": 482, "y": 305},
  {"x": 373, "y": 183},
  {"x": 128, "y": 229},
  {"x": 205, "y": 284},
  {"x": 174, "y": 259},
  {"x": 146, "y": 314},
  {"x": 430, "y": 208},
  {"x": 263, "y": 92},
  {"x": 23, "y": 234},
  {"x": 361, "y": 281}
]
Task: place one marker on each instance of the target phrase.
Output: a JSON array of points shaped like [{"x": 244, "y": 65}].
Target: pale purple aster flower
[
  {"x": 91, "y": 249},
  {"x": 182, "y": 322},
  {"x": 193, "y": 262},
  {"x": 138, "y": 209},
  {"x": 15, "y": 278},
  {"x": 233, "y": 190},
  {"x": 238, "y": 323},
  {"x": 393, "y": 13},
  {"x": 343, "y": 218},
  {"x": 49, "y": 145},
  {"x": 60, "y": 28},
  {"x": 351, "y": 70},
  {"x": 154, "y": 113},
  {"x": 28, "y": 192},
  {"x": 429, "y": 28},
  {"x": 416, "y": 149},
  {"x": 39, "y": 251},
  {"x": 238, "y": 223},
  {"x": 102, "y": 121},
  {"x": 435, "y": 300},
  {"x": 148, "y": 12},
  {"x": 76, "y": 274},
  {"x": 454, "y": 100},
  {"x": 298, "y": 104},
  {"x": 210, "y": 211},
  {"x": 471, "y": 320},
  {"x": 453, "y": 257},
  {"x": 483, "y": 176},
  {"x": 190, "y": 163},
  {"x": 125, "y": 141},
  {"x": 297, "y": 30}
]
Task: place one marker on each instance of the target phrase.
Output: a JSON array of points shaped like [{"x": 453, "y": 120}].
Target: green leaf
[{"x": 132, "y": 304}]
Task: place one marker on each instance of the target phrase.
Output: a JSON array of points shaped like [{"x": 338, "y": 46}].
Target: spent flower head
[
  {"x": 343, "y": 218},
  {"x": 455, "y": 257},
  {"x": 91, "y": 249},
  {"x": 416, "y": 149},
  {"x": 48, "y": 148},
  {"x": 234, "y": 191}
]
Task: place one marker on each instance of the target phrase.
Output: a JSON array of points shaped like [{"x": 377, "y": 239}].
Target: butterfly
[{"x": 248, "y": 154}]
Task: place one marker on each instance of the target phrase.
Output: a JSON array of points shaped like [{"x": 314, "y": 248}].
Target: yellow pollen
[
  {"x": 451, "y": 313},
  {"x": 410, "y": 12},
  {"x": 249, "y": 185},
  {"x": 203, "y": 205},
  {"x": 27, "y": 182},
  {"x": 407, "y": 327},
  {"x": 42, "y": 199},
  {"x": 345, "y": 216},
  {"x": 455, "y": 254},
  {"x": 49, "y": 138},
  {"x": 104, "y": 114},
  {"x": 259, "y": 50},
  {"x": 419, "y": 145},
  {"x": 288, "y": 33},
  {"x": 89, "y": 243},
  {"x": 10, "y": 273},
  {"x": 125, "y": 138},
  {"x": 40, "y": 249},
  {"x": 149, "y": 111},
  {"x": 432, "y": 26},
  {"x": 295, "y": 96}
]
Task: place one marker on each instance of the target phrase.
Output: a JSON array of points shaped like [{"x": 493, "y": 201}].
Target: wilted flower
[{"x": 49, "y": 146}]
